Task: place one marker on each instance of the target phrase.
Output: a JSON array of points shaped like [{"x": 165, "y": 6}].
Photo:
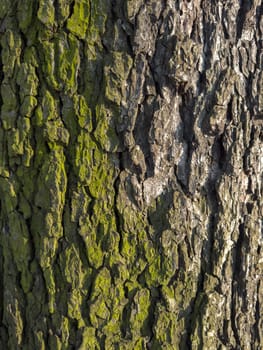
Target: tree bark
[{"x": 130, "y": 174}]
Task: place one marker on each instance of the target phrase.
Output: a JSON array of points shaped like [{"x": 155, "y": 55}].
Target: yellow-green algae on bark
[{"x": 129, "y": 175}]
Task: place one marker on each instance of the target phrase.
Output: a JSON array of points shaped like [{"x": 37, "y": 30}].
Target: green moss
[
  {"x": 65, "y": 330},
  {"x": 164, "y": 330},
  {"x": 26, "y": 279},
  {"x": 31, "y": 56},
  {"x": 39, "y": 340},
  {"x": 116, "y": 72},
  {"x": 8, "y": 195},
  {"x": 78, "y": 23},
  {"x": 118, "y": 302},
  {"x": 154, "y": 274},
  {"x": 24, "y": 17},
  {"x": 47, "y": 110},
  {"x": 185, "y": 289},
  {"x": 4, "y": 8},
  {"x": 83, "y": 112},
  {"x": 19, "y": 240},
  {"x": 24, "y": 206},
  {"x": 49, "y": 107},
  {"x": 4, "y": 173},
  {"x": 17, "y": 325},
  {"x": 72, "y": 267},
  {"x": 46, "y": 12},
  {"x": 131, "y": 286},
  {"x": 89, "y": 340},
  {"x": 46, "y": 247},
  {"x": 99, "y": 10},
  {"x": 100, "y": 181},
  {"x": 28, "y": 153},
  {"x": 98, "y": 18},
  {"x": 167, "y": 292},
  {"x": 9, "y": 106},
  {"x": 11, "y": 51},
  {"x": 100, "y": 298},
  {"x": 133, "y": 219},
  {"x": 52, "y": 184},
  {"x": 74, "y": 306},
  {"x": 54, "y": 342},
  {"x": 63, "y": 10},
  {"x": 28, "y": 105},
  {"x": 51, "y": 288},
  {"x": 111, "y": 241},
  {"x": 8, "y": 117},
  {"x": 140, "y": 312},
  {"x": 118, "y": 266},
  {"x": 128, "y": 246},
  {"x": 125, "y": 261},
  {"x": 102, "y": 284},
  {"x": 38, "y": 116},
  {"x": 67, "y": 52},
  {"x": 26, "y": 177},
  {"x": 78, "y": 196},
  {"x": 69, "y": 113},
  {"x": 169, "y": 256},
  {"x": 15, "y": 143},
  {"x": 55, "y": 133},
  {"x": 83, "y": 157},
  {"x": 139, "y": 345},
  {"x": 47, "y": 51},
  {"x": 99, "y": 313},
  {"x": 24, "y": 126},
  {"x": 27, "y": 80},
  {"x": 95, "y": 254},
  {"x": 105, "y": 131}
]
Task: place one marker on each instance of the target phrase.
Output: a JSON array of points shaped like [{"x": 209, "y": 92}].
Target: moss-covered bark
[{"x": 130, "y": 174}]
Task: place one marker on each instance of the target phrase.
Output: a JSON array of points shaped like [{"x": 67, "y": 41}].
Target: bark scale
[{"x": 130, "y": 174}]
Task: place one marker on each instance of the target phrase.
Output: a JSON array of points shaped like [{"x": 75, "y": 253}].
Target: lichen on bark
[{"x": 130, "y": 174}]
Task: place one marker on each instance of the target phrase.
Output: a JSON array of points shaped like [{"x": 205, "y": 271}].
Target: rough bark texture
[{"x": 130, "y": 174}]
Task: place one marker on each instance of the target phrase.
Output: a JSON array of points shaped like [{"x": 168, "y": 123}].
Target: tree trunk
[{"x": 130, "y": 174}]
